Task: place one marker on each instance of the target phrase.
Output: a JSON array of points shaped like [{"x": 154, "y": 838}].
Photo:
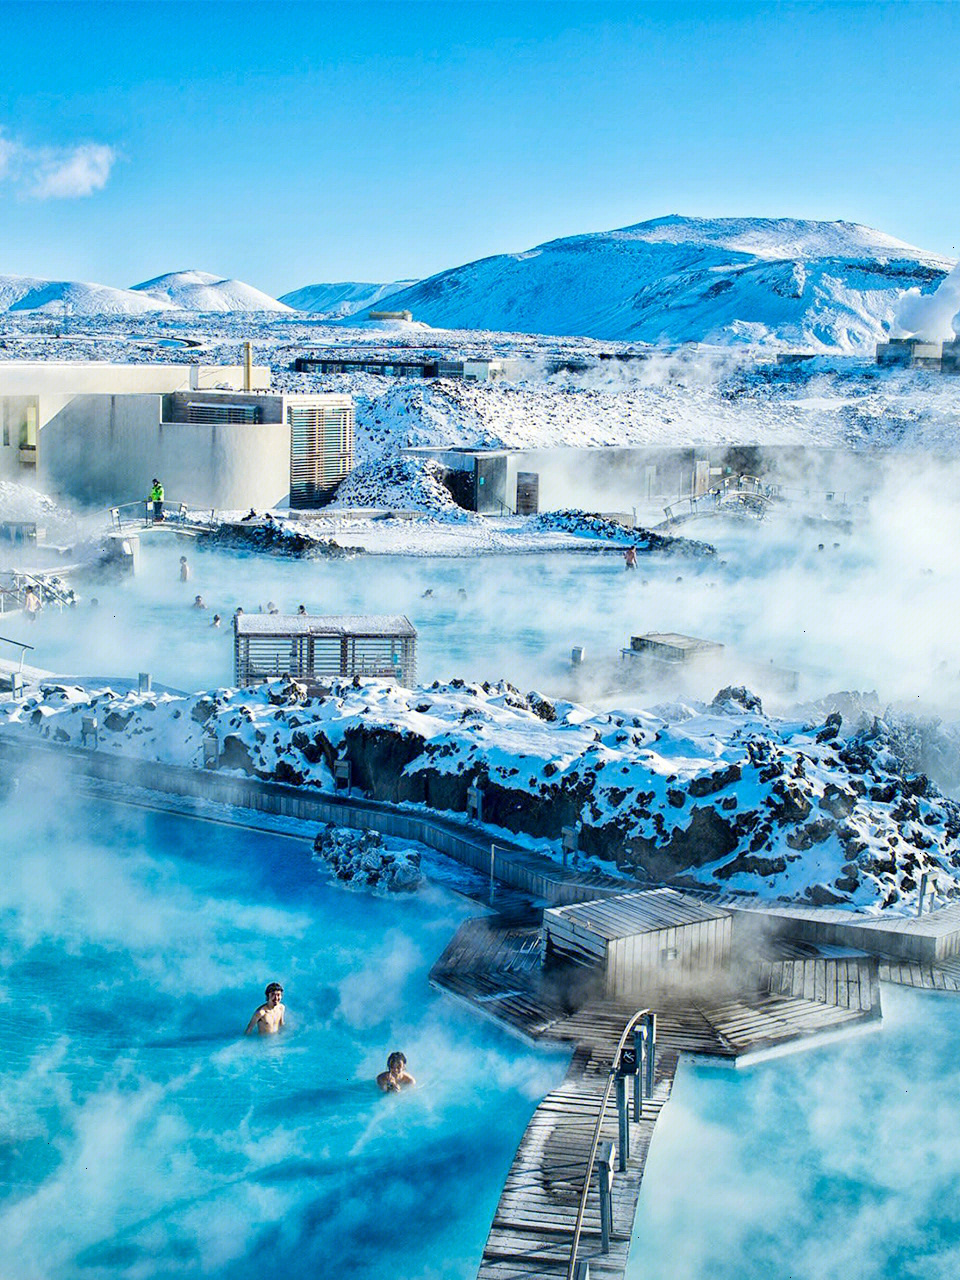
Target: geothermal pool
[
  {"x": 840, "y": 1161},
  {"x": 141, "y": 1136},
  {"x": 869, "y": 613}
]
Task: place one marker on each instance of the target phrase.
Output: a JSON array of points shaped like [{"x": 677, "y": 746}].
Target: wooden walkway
[
  {"x": 494, "y": 965},
  {"x": 944, "y": 976}
]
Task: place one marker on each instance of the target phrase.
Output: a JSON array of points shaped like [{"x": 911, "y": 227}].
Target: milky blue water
[
  {"x": 141, "y": 1136},
  {"x": 840, "y": 1163},
  {"x": 864, "y": 614}
]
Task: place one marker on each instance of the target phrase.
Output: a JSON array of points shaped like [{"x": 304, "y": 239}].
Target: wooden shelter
[
  {"x": 318, "y": 649},
  {"x": 639, "y": 940}
]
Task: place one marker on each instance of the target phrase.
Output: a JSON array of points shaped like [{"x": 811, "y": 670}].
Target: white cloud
[
  {"x": 55, "y": 173},
  {"x": 78, "y": 171}
]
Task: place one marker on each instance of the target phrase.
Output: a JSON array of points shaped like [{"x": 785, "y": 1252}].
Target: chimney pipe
[{"x": 248, "y": 366}]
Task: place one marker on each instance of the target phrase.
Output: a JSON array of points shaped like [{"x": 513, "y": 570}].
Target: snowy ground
[{"x": 705, "y": 395}]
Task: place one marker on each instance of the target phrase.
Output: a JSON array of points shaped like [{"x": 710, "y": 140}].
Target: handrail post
[
  {"x": 623, "y": 1150},
  {"x": 638, "y": 1043},
  {"x": 493, "y": 854},
  {"x": 605, "y": 1179},
  {"x": 651, "y": 1051}
]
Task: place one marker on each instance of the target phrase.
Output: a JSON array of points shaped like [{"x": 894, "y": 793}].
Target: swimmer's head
[
  {"x": 397, "y": 1061},
  {"x": 274, "y": 987}
]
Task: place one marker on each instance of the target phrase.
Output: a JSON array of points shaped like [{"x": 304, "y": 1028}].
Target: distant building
[
  {"x": 406, "y": 366},
  {"x": 221, "y": 449},
  {"x": 98, "y": 433},
  {"x": 389, "y": 315},
  {"x": 909, "y": 353},
  {"x": 33, "y": 393},
  {"x": 320, "y": 649},
  {"x": 950, "y": 361}
]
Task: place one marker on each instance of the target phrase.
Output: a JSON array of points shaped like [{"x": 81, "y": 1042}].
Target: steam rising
[
  {"x": 931, "y": 316},
  {"x": 141, "y": 1135},
  {"x": 839, "y": 1161}
]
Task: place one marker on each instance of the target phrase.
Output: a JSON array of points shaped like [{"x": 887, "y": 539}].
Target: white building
[{"x": 99, "y": 433}]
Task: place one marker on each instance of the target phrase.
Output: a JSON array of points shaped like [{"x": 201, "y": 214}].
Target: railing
[
  {"x": 21, "y": 645},
  {"x": 644, "y": 1048},
  {"x": 43, "y": 588},
  {"x": 140, "y": 513}
]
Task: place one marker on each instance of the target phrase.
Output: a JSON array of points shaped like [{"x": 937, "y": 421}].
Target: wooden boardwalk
[
  {"x": 494, "y": 965},
  {"x": 944, "y": 976}
]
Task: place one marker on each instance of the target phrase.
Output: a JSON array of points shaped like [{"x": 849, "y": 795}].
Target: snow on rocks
[
  {"x": 404, "y": 484},
  {"x": 600, "y": 527},
  {"x": 272, "y": 538},
  {"x": 361, "y": 859},
  {"x": 720, "y": 795}
]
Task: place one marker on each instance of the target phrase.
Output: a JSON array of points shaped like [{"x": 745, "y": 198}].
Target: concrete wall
[
  {"x": 35, "y": 377},
  {"x": 106, "y": 449}
]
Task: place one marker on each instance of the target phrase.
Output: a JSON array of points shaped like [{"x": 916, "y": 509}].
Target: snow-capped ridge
[
  {"x": 776, "y": 282},
  {"x": 346, "y": 298},
  {"x": 194, "y": 290}
]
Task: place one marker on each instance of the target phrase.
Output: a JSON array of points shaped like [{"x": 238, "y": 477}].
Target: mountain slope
[
  {"x": 333, "y": 301},
  {"x": 73, "y": 297},
  {"x": 200, "y": 291},
  {"x": 773, "y": 281}
]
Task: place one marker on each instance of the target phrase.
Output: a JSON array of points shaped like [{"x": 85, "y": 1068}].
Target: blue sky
[{"x": 286, "y": 144}]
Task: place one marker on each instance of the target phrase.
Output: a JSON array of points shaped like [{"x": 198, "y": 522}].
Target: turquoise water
[
  {"x": 142, "y": 1137},
  {"x": 841, "y": 1162},
  {"x": 877, "y": 620}
]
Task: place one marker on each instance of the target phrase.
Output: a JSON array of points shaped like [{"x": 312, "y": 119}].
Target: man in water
[
  {"x": 396, "y": 1076},
  {"x": 268, "y": 1019}
]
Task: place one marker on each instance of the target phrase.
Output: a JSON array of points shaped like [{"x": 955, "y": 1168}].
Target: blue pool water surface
[
  {"x": 840, "y": 1163},
  {"x": 141, "y": 1136}
]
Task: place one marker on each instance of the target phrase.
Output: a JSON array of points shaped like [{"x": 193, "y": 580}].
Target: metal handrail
[
  {"x": 21, "y": 645},
  {"x": 588, "y": 1177}
]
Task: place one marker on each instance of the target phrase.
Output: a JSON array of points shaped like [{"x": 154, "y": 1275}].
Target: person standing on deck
[
  {"x": 156, "y": 497},
  {"x": 268, "y": 1019}
]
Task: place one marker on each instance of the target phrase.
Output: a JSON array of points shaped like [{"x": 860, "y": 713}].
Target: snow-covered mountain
[
  {"x": 200, "y": 291},
  {"x": 773, "y": 281},
  {"x": 73, "y": 297},
  {"x": 334, "y": 301}
]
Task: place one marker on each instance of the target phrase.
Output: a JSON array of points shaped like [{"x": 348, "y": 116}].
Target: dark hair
[
  {"x": 273, "y": 986},
  {"x": 396, "y": 1059}
]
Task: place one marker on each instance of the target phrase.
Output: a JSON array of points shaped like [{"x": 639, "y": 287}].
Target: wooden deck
[
  {"x": 494, "y": 964},
  {"x": 944, "y": 976}
]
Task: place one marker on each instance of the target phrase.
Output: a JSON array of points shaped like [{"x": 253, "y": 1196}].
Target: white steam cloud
[
  {"x": 55, "y": 173},
  {"x": 931, "y": 316}
]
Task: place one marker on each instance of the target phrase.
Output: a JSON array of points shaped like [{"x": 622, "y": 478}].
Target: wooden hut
[
  {"x": 318, "y": 649},
  {"x": 639, "y": 940}
]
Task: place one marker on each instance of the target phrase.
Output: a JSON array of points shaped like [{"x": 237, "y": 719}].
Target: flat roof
[
  {"x": 677, "y": 641},
  {"x": 367, "y": 625},
  {"x": 643, "y": 911}
]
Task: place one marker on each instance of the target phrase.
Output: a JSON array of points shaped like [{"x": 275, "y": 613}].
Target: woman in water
[{"x": 396, "y": 1076}]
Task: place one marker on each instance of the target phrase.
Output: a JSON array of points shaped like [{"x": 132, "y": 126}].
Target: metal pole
[
  {"x": 923, "y": 892},
  {"x": 605, "y": 1179},
  {"x": 638, "y": 1078},
  {"x": 651, "y": 1052},
  {"x": 493, "y": 849},
  {"x": 623, "y": 1152}
]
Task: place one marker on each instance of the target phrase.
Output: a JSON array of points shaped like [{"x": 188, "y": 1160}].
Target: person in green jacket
[{"x": 156, "y": 497}]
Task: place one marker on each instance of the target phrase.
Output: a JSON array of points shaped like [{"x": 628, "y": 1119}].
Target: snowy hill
[
  {"x": 333, "y": 301},
  {"x": 771, "y": 281},
  {"x": 75, "y": 297},
  {"x": 200, "y": 291}
]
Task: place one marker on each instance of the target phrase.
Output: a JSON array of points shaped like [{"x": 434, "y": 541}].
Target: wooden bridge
[{"x": 789, "y": 997}]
